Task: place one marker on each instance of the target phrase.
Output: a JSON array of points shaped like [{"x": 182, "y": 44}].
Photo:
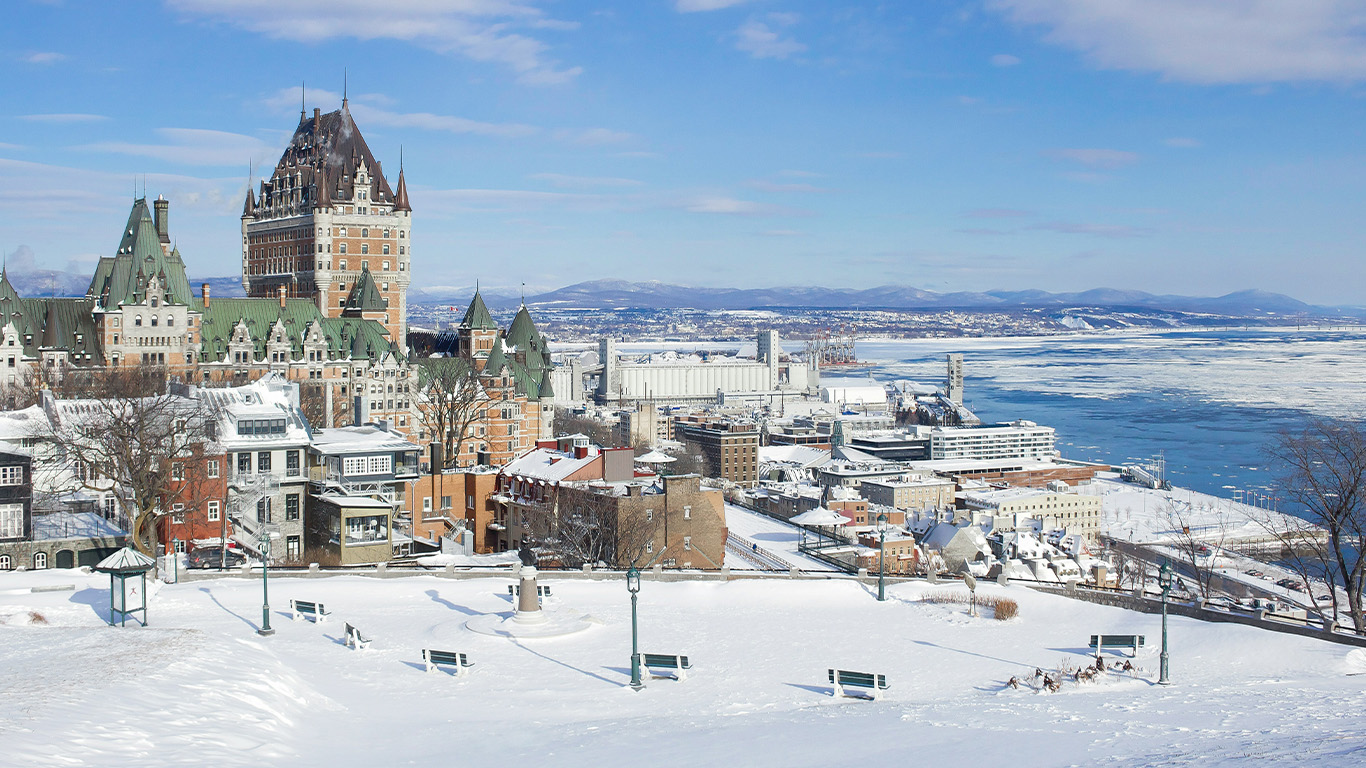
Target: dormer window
[{"x": 155, "y": 302}]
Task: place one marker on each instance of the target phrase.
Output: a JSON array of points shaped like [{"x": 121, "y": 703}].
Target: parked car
[{"x": 213, "y": 557}]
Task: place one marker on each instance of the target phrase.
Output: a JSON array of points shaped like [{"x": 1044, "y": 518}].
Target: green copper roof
[
  {"x": 345, "y": 337},
  {"x": 477, "y": 316},
  {"x": 364, "y": 295},
  {"x": 123, "y": 278},
  {"x": 528, "y": 342}
]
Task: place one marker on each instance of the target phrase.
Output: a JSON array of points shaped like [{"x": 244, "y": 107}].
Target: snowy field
[{"x": 199, "y": 687}]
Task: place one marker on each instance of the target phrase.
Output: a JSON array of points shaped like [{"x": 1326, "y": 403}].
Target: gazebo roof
[
  {"x": 126, "y": 560},
  {"x": 820, "y": 516},
  {"x": 655, "y": 457}
]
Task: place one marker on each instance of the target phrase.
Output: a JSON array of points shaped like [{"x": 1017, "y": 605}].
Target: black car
[{"x": 212, "y": 557}]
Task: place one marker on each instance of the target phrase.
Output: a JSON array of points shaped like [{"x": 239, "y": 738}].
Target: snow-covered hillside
[{"x": 199, "y": 687}]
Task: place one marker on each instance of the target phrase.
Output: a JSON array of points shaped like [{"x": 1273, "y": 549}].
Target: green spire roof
[
  {"x": 477, "y": 316},
  {"x": 123, "y": 278},
  {"x": 364, "y": 295}
]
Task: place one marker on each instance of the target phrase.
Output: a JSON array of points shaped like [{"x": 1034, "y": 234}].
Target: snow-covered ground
[
  {"x": 774, "y": 536},
  {"x": 199, "y": 687},
  {"x": 1145, "y": 515}
]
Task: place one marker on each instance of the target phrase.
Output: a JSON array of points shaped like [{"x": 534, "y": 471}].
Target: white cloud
[
  {"x": 731, "y": 206},
  {"x": 477, "y": 29},
  {"x": 1093, "y": 229},
  {"x": 196, "y": 146},
  {"x": 584, "y": 182},
  {"x": 45, "y": 57},
  {"x": 1182, "y": 142},
  {"x": 1208, "y": 41},
  {"x": 1095, "y": 158},
  {"x": 593, "y": 136},
  {"x": 692, "y": 6},
  {"x": 364, "y": 109},
  {"x": 760, "y": 41},
  {"x": 1004, "y": 60},
  {"x": 69, "y": 117},
  {"x": 7, "y": 147}
]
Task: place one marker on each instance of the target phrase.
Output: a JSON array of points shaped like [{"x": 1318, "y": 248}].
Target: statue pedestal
[{"x": 530, "y": 619}]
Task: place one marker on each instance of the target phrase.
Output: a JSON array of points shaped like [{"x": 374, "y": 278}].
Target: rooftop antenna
[
  {"x": 303, "y": 99},
  {"x": 343, "y": 86},
  {"x": 524, "y": 294}
]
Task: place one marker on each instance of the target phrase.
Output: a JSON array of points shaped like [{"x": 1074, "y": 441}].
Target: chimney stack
[
  {"x": 162, "y": 217},
  {"x": 281, "y": 292},
  {"x": 316, "y": 114},
  {"x": 204, "y": 291}
]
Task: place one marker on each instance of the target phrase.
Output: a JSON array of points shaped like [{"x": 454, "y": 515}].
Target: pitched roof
[
  {"x": 528, "y": 341},
  {"x": 365, "y": 295},
  {"x": 401, "y": 196},
  {"x": 345, "y": 337},
  {"x": 477, "y": 316},
  {"x": 320, "y": 164},
  {"x": 123, "y": 278}
]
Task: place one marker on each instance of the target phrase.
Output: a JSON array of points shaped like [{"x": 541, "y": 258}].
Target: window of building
[
  {"x": 292, "y": 547},
  {"x": 292, "y": 507},
  {"x": 211, "y": 468},
  {"x": 445, "y": 502},
  {"x": 177, "y": 470},
  {"x": 154, "y": 321},
  {"x": 650, "y": 547},
  {"x": 12, "y": 475},
  {"x": 364, "y": 247},
  {"x": 39, "y": 560},
  {"x": 214, "y": 511},
  {"x": 367, "y": 530},
  {"x": 292, "y": 463},
  {"x": 244, "y": 463},
  {"x": 365, "y": 232},
  {"x": 263, "y": 462},
  {"x": 687, "y": 542},
  {"x": 178, "y": 514},
  {"x": 169, "y": 322},
  {"x": 386, "y": 253},
  {"x": 263, "y": 509},
  {"x": 687, "y": 513},
  {"x": 342, "y": 249},
  {"x": 11, "y": 521},
  {"x": 5, "y": 563},
  {"x": 137, "y": 320},
  {"x": 426, "y": 503}
]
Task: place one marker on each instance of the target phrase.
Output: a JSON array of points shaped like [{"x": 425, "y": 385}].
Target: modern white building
[
  {"x": 1076, "y": 513},
  {"x": 1018, "y": 439},
  {"x": 670, "y": 377}
]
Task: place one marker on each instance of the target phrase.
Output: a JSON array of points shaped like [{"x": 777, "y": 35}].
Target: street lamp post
[
  {"x": 633, "y": 585},
  {"x": 265, "y": 584},
  {"x": 1164, "y": 580},
  {"x": 881, "y": 556},
  {"x": 175, "y": 560}
]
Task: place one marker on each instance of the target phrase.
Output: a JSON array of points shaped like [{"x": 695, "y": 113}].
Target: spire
[
  {"x": 249, "y": 205},
  {"x": 303, "y": 108},
  {"x": 344, "y": 89},
  {"x": 401, "y": 196}
]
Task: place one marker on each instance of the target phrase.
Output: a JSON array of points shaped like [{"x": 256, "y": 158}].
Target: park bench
[
  {"x": 301, "y": 608},
  {"x": 1100, "y": 642},
  {"x": 542, "y": 590},
  {"x": 434, "y": 657},
  {"x": 678, "y": 664},
  {"x": 355, "y": 639},
  {"x": 843, "y": 679}
]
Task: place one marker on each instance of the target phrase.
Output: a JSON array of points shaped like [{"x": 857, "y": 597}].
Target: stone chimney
[
  {"x": 316, "y": 113},
  {"x": 281, "y": 292},
  {"x": 162, "y": 217},
  {"x": 204, "y": 291}
]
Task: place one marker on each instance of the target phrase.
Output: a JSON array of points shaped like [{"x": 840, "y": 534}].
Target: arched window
[
  {"x": 170, "y": 320},
  {"x": 365, "y": 232},
  {"x": 5, "y": 563},
  {"x": 39, "y": 560},
  {"x": 386, "y": 249},
  {"x": 154, "y": 321},
  {"x": 364, "y": 247},
  {"x": 137, "y": 320}
]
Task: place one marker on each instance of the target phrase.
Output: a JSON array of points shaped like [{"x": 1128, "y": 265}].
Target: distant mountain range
[
  {"x": 622, "y": 294},
  {"x": 607, "y": 294}
]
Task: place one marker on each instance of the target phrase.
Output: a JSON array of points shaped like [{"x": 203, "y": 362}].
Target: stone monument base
[{"x": 554, "y": 622}]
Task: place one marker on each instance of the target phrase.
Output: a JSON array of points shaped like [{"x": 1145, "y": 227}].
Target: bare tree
[
  {"x": 1322, "y": 471},
  {"x": 145, "y": 448},
  {"x": 585, "y": 523},
  {"x": 452, "y": 401},
  {"x": 569, "y": 423},
  {"x": 1198, "y": 539},
  {"x": 313, "y": 403}
]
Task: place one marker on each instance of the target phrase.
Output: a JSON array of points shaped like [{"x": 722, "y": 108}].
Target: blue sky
[{"x": 1174, "y": 146}]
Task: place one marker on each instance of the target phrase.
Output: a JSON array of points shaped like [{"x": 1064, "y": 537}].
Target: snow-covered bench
[
  {"x": 678, "y": 665},
  {"x": 843, "y": 679},
  {"x": 354, "y": 639},
  {"x": 1100, "y": 642},
  {"x": 301, "y": 608},
  {"x": 434, "y": 657}
]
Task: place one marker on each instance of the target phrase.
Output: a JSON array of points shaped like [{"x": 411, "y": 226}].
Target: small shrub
[
  {"x": 1003, "y": 608},
  {"x": 945, "y": 597}
]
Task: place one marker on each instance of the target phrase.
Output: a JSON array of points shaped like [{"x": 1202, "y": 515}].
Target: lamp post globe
[
  {"x": 882, "y": 556},
  {"x": 1164, "y": 580},
  {"x": 633, "y": 586}
]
